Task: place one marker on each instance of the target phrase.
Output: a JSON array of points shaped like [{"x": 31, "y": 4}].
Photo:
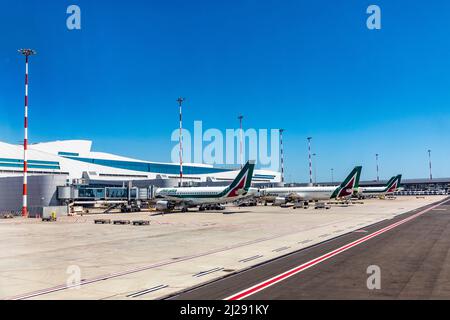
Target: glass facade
[
  {"x": 172, "y": 169},
  {"x": 118, "y": 193},
  {"x": 91, "y": 193},
  {"x": 32, "y": 164},
  {"x": 70, "y": 154},
  {"x": 263, "y": 176},
  {"x": 150, "y": 167}
]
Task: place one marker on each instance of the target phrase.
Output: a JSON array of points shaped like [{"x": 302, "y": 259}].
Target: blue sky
[{"x": 311, "y": 67}]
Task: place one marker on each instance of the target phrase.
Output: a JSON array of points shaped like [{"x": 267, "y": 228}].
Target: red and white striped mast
[
  {"x": 310, "y": 161},
  {"x": 282, "y": 155},
  {"x": 180, "y": 102},
  {"x": 241, "y": 158},
  {"x": 26, "y": 53}
]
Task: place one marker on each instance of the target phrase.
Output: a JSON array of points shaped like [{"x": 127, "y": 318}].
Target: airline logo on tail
[
  {"x": 349, "y": 185},
  {"x": 394, "y": 185},
  {"x": 242, "y": 182}
]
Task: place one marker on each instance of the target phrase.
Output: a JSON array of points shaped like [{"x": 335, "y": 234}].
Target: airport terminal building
[
  {"x": 72, "y": 162},
  {"x": 60, "y": 172},
  {"x": 75, "y": 159}
]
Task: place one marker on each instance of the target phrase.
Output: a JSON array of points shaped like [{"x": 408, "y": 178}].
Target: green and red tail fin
[
  {"x": 350, "y": 184},
  {"x": 389, "y": 183},
  {"x": 242, "y": 181},
  {"x": 394, "y": 184}
]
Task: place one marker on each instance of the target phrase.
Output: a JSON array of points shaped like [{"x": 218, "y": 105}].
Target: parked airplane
[
  {"x": 391, "y": 186},
  {"x": 284, "y": 195},
  {"x": 203, "y": 196}
]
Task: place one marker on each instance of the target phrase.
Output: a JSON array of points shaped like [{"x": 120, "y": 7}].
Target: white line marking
[
  {"x": 146, "y": 291},
  {"x": 204, "y": 273},
  {"x": 251, "y": 258}
]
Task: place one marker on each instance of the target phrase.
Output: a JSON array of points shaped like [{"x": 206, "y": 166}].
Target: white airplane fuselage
[
  {"x": 375, "y": 191},
  {"x": 197, "y": 195},
  {"x": 302, "y": 193},
  {"x": 186, "y": 197},
  {"x": 372, "y": 191}
]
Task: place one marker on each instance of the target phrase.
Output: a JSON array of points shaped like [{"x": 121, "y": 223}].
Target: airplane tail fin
[
  {"x": 394, "y": 184},
  {"x": 390, "y": 182},
  {"x": 243, "y": 180},
  {"x": 350, "y": 184}
]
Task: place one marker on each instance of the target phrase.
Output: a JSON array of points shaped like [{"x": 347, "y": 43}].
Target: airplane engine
[
  {"x": 254, "y": 192},
  {"x": 163, "y": 205},
  {"x": 279, "y": 200}
]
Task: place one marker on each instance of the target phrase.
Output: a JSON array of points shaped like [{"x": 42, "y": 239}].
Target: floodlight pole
[
  {"x": 180, "y": 103},
  {"x": 310, "y": 161},
  {"x": 26, "y": 53},
  {"x": 240, "y": 141},
  {"x": 282, "y": 155}
]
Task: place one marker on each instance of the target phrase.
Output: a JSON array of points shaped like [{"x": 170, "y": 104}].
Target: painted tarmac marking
[
  {"x": 251, "y": 258},
  {"x": 142, "y": 292},
  {"x": 285, "y": 275},
  {"x": 280, "y": 249},
  {"x": 204, "y": 273}
]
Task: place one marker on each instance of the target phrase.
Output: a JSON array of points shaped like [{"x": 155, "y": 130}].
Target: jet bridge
[{"x": 108, "y": 198}]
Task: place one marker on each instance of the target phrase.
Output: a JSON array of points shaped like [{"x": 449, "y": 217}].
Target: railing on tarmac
[
  {"x": 422, "y": 193},
  {"x": 10, "y": 213},
  {"x": 35, "y": 212}
]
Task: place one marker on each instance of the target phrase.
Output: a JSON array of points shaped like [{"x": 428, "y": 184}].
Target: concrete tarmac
[
  {"x": 42, "y": 260},
  {"x": 413, "y": 259}
]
